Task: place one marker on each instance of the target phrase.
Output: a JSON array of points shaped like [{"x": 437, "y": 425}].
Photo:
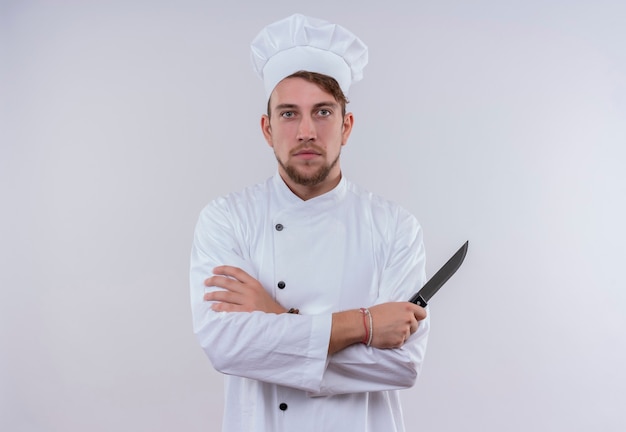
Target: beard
[{"x": 312, "y": 179}]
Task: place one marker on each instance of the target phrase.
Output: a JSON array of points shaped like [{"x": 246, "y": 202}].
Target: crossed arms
[
  {"x": 392, "y": 322},
  {"x": 246, "y": 332}
]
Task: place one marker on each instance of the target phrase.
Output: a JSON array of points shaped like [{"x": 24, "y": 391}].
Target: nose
[{"x": 306, "y": 129}]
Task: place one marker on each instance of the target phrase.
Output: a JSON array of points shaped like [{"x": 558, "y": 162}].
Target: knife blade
[{"x": 422, "y": 297}]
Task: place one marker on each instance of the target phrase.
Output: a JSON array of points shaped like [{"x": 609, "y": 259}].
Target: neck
[{"x": 306, "y": 192}]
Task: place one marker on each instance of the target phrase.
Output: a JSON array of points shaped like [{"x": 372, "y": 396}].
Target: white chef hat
[{"x": 303, "y": 43}]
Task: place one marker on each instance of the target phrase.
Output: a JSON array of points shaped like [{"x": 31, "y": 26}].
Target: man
[{"x": 299, "y": 284}]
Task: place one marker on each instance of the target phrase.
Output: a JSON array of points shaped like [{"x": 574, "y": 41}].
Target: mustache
[{"x": 308, "y": 145}]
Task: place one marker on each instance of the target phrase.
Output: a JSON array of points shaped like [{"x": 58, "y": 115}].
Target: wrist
[{"x": 347, "y": 329}]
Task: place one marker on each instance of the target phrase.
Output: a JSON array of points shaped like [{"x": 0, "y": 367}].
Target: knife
[{"x": 422, "y": 297}]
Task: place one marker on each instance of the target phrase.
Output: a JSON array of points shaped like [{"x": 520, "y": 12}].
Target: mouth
[
  {"x": 306, "y": 156},
  {"x": 307, "y": 153},
  {"x": 307, "y": 150}
]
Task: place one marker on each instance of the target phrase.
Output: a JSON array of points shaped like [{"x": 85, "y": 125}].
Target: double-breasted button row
[{"x": 281, "y": 284}]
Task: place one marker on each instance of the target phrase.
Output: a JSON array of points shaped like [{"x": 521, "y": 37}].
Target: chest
[{"x": 318, "y": 262}]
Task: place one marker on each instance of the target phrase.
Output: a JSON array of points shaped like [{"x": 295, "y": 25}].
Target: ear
[
  {"x": 346, "y": 128},
  {"x": 266, "y": 128}
]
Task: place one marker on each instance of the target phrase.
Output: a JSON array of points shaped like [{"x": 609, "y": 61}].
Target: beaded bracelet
[
  {"x": 369, "y": 333},
  {"x": 369, "y": 339}
]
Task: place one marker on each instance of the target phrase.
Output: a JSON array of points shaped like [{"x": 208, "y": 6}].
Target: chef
[{"x": 299, "y": 283}]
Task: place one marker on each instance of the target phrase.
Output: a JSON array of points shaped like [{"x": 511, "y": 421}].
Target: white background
[{"x": 498, "y": 122}]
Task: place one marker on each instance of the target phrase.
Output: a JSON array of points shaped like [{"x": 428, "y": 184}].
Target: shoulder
[
  {"x": 246, "y": 197},
  {"x": 380, "y": 207},
  {"x": 238, "y": 204}
]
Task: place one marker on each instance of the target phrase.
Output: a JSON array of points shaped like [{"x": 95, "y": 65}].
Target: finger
[
  {"x": 234, "y": 272},
  {"x": 225, "y": 283},
  {"x": 226, "y": 307},
  {"x": 419, "y": 313},
  {"x": 224, "y": 297},
  {"x": 215, "y": 281},
  {"x": 405, "y": 337}
]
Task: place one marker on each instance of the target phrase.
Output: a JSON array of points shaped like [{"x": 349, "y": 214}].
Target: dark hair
[{"x": 325, "y": 82}]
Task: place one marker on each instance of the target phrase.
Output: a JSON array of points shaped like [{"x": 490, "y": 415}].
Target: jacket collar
[{"x": 287, "y": 197}]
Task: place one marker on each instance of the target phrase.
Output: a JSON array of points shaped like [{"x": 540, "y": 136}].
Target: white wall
[{"x": 499, "y": 122}]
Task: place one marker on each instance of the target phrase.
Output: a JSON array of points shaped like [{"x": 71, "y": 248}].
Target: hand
[
  {"x": 241, "y": 292},
  {"x": 394, "y": 322}
]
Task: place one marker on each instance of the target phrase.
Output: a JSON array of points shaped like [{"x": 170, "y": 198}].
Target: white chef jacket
[{"x": 342, "y": 250}]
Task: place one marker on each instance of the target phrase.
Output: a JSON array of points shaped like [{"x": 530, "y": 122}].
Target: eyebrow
[{"x": 316, "y": 106}]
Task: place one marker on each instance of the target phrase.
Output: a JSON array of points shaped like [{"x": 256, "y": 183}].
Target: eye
[
  {"x": 287, "y": 114},
  {"x": 324, "y": 112}
]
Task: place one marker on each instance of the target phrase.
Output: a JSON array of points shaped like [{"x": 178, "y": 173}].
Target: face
[{"x": 306, "y": 130}]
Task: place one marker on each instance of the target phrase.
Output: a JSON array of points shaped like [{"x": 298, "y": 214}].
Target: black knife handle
[{"x": 418, "y": 300}]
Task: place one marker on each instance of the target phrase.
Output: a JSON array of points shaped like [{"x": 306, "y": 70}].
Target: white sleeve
[
  {"x": 358, "y": 368},
  {"x": 285, "y": 349}
]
